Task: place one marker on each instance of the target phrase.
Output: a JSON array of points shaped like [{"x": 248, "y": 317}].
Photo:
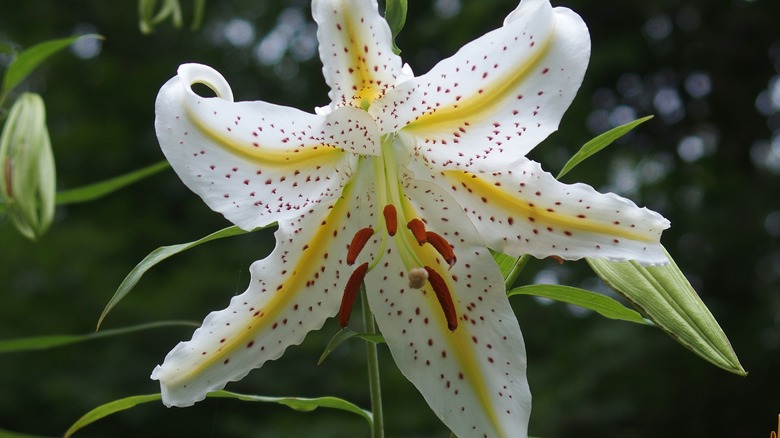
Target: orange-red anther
[
  {"x": 557, "y": 259},
  {"x": 442, "y": 246},
  {"x": 391, "y": 219},
  {"x": 418, "y": 229},
  {"x": 445, "y": 298},
  {"x": 350, "y": 293},
  {"x": 357, "y": 244}
]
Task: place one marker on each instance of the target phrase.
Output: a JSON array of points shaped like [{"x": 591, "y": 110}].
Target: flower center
[{"x": 412, "y": 241}]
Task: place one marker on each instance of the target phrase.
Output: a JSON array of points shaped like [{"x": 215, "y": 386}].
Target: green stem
[
  {"x": 373, "y": 369},
  {"x": 519, "y": 265}
]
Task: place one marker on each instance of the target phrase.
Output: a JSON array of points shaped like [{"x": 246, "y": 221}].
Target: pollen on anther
[{"x": 417, "y": 279}]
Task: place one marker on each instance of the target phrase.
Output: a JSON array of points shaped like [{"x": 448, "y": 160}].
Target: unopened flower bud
[{"x": 27, "y": 173}]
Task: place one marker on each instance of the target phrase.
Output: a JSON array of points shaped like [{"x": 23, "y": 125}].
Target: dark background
[{"x": 709, "y": 161}]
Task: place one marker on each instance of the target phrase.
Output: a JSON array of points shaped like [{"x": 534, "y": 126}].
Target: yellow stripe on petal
[
  {"x": 301, "y": 273},
  {"x": 459, "y": 340},
  {"x": 267, "y": 156},
  {"x": 524, "y": 209},
  {"x": 482, "y": 104},
  {"x": 356, "y": 51}
]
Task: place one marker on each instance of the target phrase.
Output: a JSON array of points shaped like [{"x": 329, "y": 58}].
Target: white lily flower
[{"x": 404, "y": 182}]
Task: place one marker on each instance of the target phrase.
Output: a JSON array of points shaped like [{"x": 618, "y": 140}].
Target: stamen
[
  {"x": 418, "y": 229},
  {"x": 357, "y": 244},
  {"x": 350, "y": 293},
  {"x": 557, "y": 259},
  {"x": 391, "y": 219},
  {"x": 445, "y": 298},
  {"x": 417, "y": 278},
  {"x": 442, "y": 246}
]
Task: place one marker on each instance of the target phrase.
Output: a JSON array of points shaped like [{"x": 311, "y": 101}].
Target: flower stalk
[{"x": 372, "y": 360}]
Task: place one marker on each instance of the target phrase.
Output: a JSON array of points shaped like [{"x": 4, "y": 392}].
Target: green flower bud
[{"x": 27, "y": 173}]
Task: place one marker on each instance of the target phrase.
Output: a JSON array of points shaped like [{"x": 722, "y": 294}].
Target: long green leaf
[
  {"x": 296, "y": 403},
  {"x": 668, "y": 299},
  {"x": 596, "y": 302},
  {"x": 301, "y": 404},
  {"x": 52, "y": 341},
  {"x": 30, "y": 59},
  {"x": 9, "y": 434},
  {"x": 157, "y": 256},
  {"x": 98, "y": 190},
  {"x": 109, "y": 408},
  {"x": 346, "y": 334},
  {"x": 599, "y": 143}
]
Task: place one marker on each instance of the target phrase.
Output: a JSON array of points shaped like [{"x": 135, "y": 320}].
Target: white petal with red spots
[
  {"x": 473, "y": 377},
  {"x": 498, "y": 96},
  {"x": 356, "y": 51},
  {"x": 256, "y": 162},
  {"x": 292, "y": 291},
  {"x": 525, "y": 210}
]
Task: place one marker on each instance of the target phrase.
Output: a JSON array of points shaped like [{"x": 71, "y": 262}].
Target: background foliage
[{"x": 709, "y": 161}]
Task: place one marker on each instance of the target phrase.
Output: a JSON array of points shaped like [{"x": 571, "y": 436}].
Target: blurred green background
[{"x": 709, "y": 161}]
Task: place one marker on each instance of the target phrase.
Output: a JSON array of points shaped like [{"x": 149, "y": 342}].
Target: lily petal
[
  {"x": 527, "y": 211},
  {"x": 356, "y": 49},
  {"x": 498, "y": 96},
  {"x": 292, "y": 291},
  {"x": 473, "y": 377},
  {"x": 255, "y": 162}
]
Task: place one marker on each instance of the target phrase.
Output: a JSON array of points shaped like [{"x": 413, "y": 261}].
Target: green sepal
[
  {"x": 296, "y": 403},
  {"x": 598, "y": 143},
  {"x": 157, "y": 256},
  {"x": 668, "y": 299},
  {"x": 601, "y": 304}
]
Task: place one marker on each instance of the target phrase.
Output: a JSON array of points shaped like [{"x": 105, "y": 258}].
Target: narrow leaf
[
  {"x": 199, "y": 10},
  {"x": 297, "y": 403},
  {"x": 596, "y": 302},
  {"x": 599, "y": 143},
  {"x": 52, "y": 341},
  {"x": 668, "y": 299},
  {"x": 30, "y": 59},
  {"x": 395, "y": 14},
  {"x": 109, "y": 408},
  {"x": 301, "y": 404},
  {"x": 157, "y": 256},
  {"x": 98, "y": 190},
  {"x": 8, "y": 434},
  {"x": 346, "y": 334}
]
